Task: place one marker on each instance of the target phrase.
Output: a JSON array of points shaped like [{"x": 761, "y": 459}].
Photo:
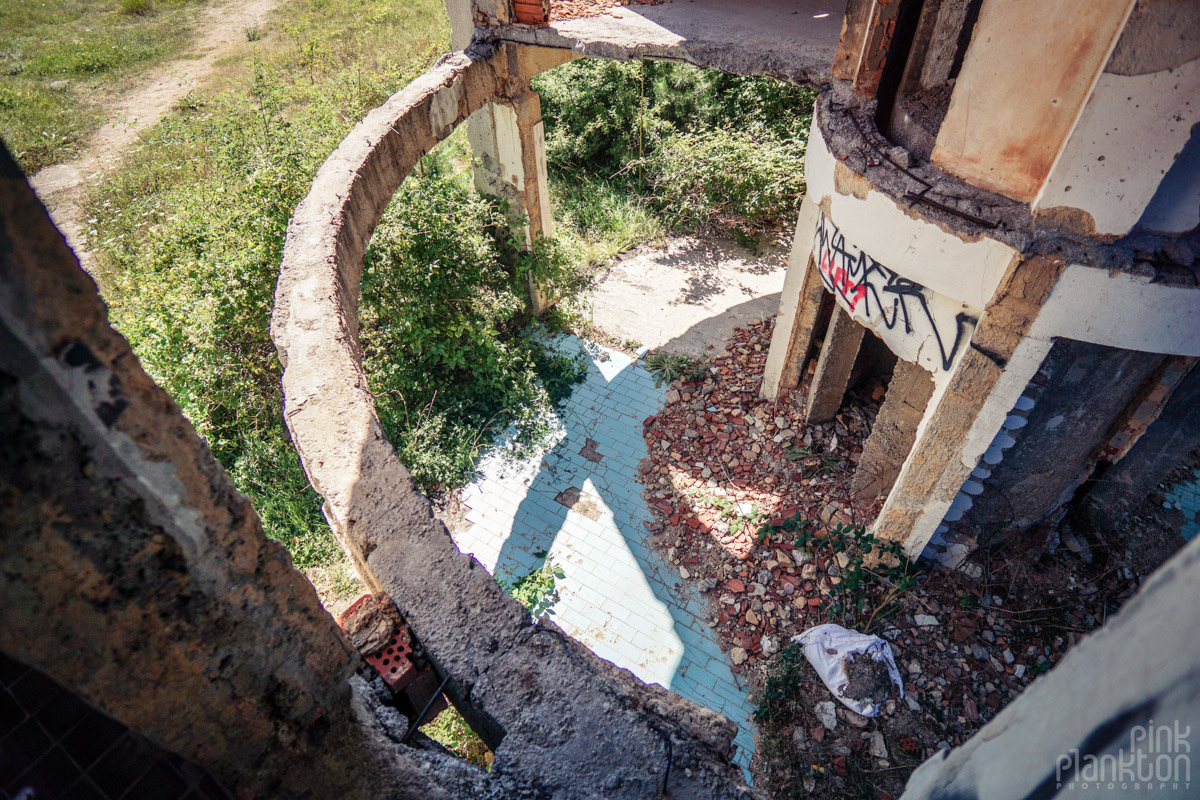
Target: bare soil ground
[
  {"x": 748, "y": 502},
  {"x": 219, "y": 30}
]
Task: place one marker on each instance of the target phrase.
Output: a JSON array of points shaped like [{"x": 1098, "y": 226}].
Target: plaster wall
[
  {"x": 965, "y": 269},
  {"x": 919, "y": 287},
  {"x": 1128, "y": 137},
  {"x": 1121, "y": 310},
  {"x": 1026, "y": 75}
]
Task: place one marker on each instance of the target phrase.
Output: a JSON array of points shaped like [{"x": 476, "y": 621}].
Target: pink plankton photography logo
[{"x": 1158, "y": 759}]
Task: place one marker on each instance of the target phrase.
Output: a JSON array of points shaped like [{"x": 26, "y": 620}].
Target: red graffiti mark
[{"x": 846, "y": 287}]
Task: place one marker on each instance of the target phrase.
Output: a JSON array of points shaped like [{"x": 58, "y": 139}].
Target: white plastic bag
[{"x": 827, "y": 646}]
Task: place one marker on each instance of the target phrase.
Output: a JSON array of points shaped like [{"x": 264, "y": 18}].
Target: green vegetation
[
  {"x": 189, "y": 235},
  {"x": 668, "y": 368},
  {"x": 873, "y": 573},
  {"x": 640, "y": 149},
  {"x": 537, "y": 590},
  {"x": 60, "y": 58},
  {"x": 455, "y": 735}
]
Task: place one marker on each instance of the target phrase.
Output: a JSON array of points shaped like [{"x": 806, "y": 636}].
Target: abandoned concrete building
[{"x": 1004, "y": 195}]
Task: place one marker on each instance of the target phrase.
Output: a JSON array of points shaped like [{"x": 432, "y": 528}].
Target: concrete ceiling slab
[{"x": 792, "y": 40}]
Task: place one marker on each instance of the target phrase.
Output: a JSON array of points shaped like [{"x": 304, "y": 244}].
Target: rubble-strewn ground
[{"x": 724, "y": 463}]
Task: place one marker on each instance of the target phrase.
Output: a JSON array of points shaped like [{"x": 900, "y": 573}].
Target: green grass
[
  {"x": 60, "y": 58},
  {"x": 188, "y": 235}
]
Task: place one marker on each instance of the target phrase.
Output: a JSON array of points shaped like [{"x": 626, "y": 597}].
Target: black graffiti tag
[{"x": 859, "y": 279}]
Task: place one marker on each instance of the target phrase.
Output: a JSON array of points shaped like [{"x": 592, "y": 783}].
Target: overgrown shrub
[
  {"x": 704, "y": 149},
  {"x": 441, "y": 313},
  {"x": 727, "y": 180}
]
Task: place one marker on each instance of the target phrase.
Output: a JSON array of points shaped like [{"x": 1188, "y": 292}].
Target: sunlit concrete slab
[{"x": 793, "y": 40}]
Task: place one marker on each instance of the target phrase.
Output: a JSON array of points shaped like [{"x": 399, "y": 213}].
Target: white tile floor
[{"x": 618, "y": 597}]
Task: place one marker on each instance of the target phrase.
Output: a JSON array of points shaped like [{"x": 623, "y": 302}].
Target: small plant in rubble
[
  {"x": 668, "y": 368},
  {"x": 731, "y": 512},
  {"x": 536, "y": 590},
  {"x": 872, "y": 573},
  {"x": 814, "y": 462}
]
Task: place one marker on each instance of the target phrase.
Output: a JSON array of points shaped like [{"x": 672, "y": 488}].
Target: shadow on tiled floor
[
  {"x": 579, "y": 504},
  {"x": 53, "y": 745}
]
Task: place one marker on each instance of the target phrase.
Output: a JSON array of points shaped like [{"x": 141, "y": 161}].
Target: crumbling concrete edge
[
  {"x": 605, "y": 37},
  {"x": 559, "y": 718}
]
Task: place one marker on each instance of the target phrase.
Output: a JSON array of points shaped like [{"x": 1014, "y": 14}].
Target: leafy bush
[
  {"x": 697, "y": 149},
  {"x": 537, "y": 590},
  {"x": 451, "y": 730},
  {"x": 727, "y": 180},
  {"x": 441, "y": 313}
]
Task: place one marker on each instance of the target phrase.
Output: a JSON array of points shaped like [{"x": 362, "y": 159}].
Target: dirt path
[{"x": 220, "y": 28}]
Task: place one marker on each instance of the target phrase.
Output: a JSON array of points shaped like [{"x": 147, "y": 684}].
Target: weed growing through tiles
[
  {"x": 668, "y": 368},
  {"x": 536, "y": 590}
]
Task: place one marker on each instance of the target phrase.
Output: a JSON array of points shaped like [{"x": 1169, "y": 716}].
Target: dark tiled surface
[{"x": 53, "y": 745}]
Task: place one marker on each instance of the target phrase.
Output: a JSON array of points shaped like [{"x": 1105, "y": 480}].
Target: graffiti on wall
[{"x": 869, "y": 288}]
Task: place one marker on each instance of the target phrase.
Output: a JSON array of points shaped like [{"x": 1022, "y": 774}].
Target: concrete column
[
  {"x": 132, "y": 572},
  {"x": 508, "y": 141},
  {"x": 799, "y": 309},
  {"x": 1032, "y": 64},
  {"x": 465, "y": 13},
  {"x": 967, "y": 410},
  {"x": 894, "y": 431},
  {"x": 509, "y": 144},
  {"x": 834, "y": 367}
]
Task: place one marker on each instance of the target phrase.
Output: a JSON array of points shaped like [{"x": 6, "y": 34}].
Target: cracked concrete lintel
[
  {"x": 793, "y": 41},
  {"x": 862, "y": 170},
  {"x": 561, "y": 719}
]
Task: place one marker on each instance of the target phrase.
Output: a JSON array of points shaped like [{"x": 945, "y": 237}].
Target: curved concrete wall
[{"x": 558, "y": 717}]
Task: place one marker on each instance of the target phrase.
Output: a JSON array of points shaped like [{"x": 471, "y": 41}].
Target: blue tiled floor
[
  {"x": 618, "y": 597},
  {"x": 1185, "y": 495}
]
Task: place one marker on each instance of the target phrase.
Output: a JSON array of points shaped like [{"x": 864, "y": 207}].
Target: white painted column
[
  {"x": 1021, "y": 367},
  {"x": 781, "y": 355}
]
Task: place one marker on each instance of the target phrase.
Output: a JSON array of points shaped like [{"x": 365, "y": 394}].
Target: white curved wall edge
[
  {"x": 920, "y": 250},
  {"x": 1130, "y": 133},
  {"x": 1121, "y": 310}
]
